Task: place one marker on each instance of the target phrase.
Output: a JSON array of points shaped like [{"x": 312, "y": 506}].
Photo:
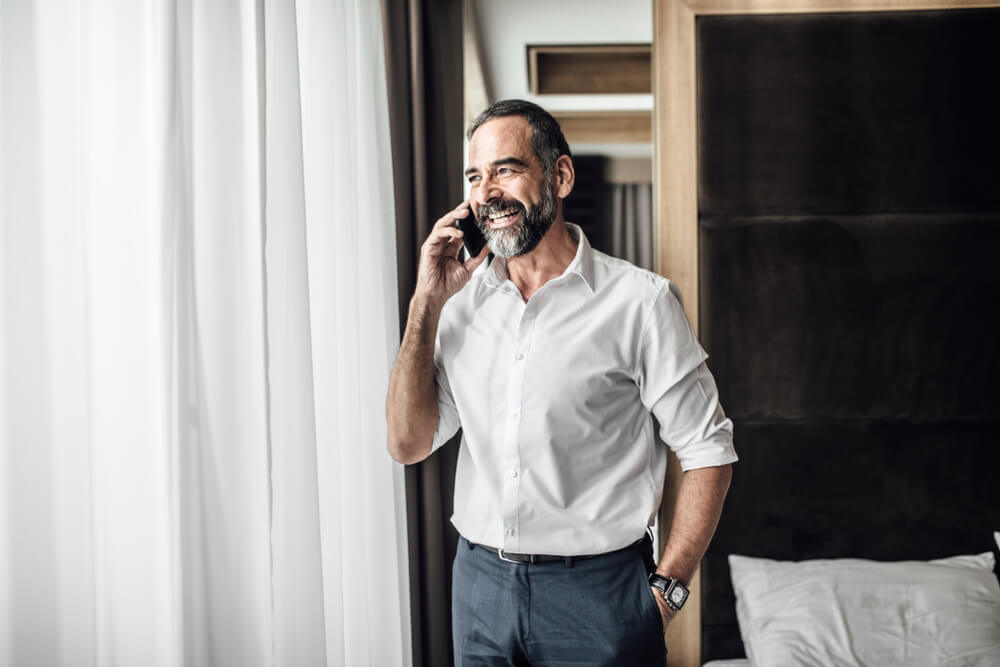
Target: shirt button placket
[{"x": 512, "y": 442}]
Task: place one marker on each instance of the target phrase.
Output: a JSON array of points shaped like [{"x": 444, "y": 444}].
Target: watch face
[{"x": 678, "y": 596}]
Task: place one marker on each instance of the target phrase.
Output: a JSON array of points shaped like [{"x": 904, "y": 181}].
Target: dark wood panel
[
  {"x": 860, "y": 317},
  {"x": 843, "y": 113},
  {"x": 848, "y": 219}
]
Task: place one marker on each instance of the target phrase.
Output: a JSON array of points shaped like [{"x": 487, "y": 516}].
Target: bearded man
[{"x": 553, "y": 359}]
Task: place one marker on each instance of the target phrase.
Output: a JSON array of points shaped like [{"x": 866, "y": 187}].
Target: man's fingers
[
  {"x": 440, "y": 238},
  {"x": 473, "y": 262},
  {"x": 450, "y": 232},
  {"x": 449, "y": 218},
  {"x": 443, "y": 243}
]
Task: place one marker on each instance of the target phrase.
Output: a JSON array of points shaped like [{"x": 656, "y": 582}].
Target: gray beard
[{"x": 522, "y": 238}]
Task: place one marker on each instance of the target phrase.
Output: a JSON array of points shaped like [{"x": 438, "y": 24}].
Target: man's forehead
[{"x": 507, "y": 136}]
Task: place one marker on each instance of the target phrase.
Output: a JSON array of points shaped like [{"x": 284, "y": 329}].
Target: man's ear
[{"x": 565, "y": 176}]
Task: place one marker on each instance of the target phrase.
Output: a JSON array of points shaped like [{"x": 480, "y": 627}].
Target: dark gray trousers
[{"x": 597, "y": 611}]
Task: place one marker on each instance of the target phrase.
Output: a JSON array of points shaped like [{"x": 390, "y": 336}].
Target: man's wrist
[
  {"x": 425, "y": 312},
  {"x": 672, "y": 590},
  {"x": 424, "y": 302}
]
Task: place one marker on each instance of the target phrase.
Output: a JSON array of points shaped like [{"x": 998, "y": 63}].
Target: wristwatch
[{"x": 674, "y": 593}]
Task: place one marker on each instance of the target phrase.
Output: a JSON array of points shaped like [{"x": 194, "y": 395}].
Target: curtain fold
[
  {"x": 631, "y": 222},
  {"x": 424, "y": 58},
  {"x": 199, "y": 313}
]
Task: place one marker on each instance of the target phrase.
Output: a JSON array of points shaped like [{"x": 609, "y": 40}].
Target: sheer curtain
[{"x": 197, "y": 321}]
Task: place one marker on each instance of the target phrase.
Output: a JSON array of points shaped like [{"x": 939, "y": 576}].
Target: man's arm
[
  {"x": 412, "y": 404},
  {"x": 699, "y": 506}
]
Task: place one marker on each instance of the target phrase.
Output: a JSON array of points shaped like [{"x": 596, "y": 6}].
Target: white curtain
[{"x": 197, "y": 321}]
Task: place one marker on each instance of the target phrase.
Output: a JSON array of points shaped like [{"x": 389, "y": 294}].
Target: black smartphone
[{"x": 473, "y": 237}]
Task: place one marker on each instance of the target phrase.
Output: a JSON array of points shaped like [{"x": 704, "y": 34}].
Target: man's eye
[{"x": 473, "y": 179}]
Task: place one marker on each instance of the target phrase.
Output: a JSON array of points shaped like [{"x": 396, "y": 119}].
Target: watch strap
[{"x": 674, "y": 593}]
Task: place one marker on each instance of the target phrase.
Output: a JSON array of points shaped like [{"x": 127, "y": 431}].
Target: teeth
[{"x": 502, "y": 214}]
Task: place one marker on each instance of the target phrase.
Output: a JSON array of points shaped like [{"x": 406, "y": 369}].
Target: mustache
[{"x": 499, "y": 206}]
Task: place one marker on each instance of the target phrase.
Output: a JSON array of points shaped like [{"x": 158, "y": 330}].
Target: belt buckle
[{"x": 507, "y": 560}]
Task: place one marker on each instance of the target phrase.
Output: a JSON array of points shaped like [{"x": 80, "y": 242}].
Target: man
[{"x": 552, "y": 359}]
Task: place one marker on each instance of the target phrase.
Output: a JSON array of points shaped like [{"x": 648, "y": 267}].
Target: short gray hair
[{"x": 547, "y": 138}]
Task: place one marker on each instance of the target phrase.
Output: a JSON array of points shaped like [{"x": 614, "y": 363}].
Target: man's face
[{"x": 514, "y": 202}]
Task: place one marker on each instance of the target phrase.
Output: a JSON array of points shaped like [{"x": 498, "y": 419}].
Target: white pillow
[{"x": 858, "y": 612}]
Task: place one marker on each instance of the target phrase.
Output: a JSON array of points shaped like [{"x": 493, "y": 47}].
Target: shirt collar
[{"x": 582, "y": 263}]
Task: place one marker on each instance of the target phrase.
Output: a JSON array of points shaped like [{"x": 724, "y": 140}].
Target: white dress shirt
[{"x": 555, "y": 396}]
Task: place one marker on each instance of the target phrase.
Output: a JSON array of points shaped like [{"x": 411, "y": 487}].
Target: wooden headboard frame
[{"x": 675, "y": 135}]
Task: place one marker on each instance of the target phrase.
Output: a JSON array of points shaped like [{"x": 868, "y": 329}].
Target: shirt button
[
  {"x": 516, "y": 415},
  {"x": 520, "y": 357},
  {"x": 513, "y": 473},
  {"x": 510, "y": 531}
]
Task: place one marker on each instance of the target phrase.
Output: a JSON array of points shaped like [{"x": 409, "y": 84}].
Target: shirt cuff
[
  {"x": 447, "y": 426},
  {"x": 717, "y": 450}
]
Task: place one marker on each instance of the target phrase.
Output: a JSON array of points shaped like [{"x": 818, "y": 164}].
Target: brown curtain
[{"x": 424, "y": 69}]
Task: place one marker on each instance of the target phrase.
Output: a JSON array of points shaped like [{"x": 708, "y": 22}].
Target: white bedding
[{"x": 856, "y": 612}]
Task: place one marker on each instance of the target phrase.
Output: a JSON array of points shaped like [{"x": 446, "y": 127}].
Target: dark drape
[{"x": 424, "y": 70}]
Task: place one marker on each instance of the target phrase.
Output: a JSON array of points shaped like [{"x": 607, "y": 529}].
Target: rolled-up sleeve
[
  {"x": 677, "y": 387},
  {"x": 448, "y": 420}
]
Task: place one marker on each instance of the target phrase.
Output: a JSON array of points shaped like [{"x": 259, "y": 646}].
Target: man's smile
[{"x": 503, "y": 219}]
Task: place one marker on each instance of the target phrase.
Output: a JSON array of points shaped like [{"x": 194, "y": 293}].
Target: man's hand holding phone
[
  {"x": 411, "y": 406},
  {"x": 442, "y": 273}
]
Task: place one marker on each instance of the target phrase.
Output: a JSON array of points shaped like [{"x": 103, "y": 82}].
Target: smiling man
[{"x": 553, "y": 359}]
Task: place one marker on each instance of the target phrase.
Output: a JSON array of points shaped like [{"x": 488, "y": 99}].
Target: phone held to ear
[{"x": 472, "y": 236}]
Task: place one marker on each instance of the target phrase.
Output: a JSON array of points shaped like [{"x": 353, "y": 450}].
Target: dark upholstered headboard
[{"x": 849, "y": 263}]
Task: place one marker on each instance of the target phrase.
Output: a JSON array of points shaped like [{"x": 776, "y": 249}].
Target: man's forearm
[
  {"x": 699, "y": 506},
  {"x": 411, "y": 407}
]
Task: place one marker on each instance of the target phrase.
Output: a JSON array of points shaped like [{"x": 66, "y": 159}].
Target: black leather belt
[{"x": 531, "y": 559}]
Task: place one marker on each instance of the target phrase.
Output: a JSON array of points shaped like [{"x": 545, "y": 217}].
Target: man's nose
[{"x": 487, "y": 192}]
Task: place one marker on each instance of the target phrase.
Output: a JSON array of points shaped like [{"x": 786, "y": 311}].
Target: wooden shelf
[
  {"x": 590, "y": 69},
  {"x": 606, "y": 126}
]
